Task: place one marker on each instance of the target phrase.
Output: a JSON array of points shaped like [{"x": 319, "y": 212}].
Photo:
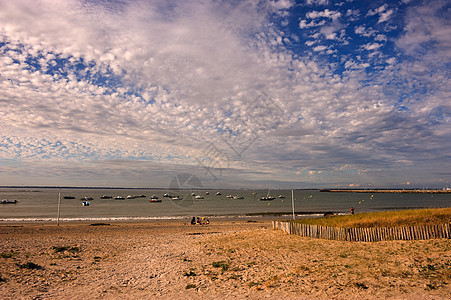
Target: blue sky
[{"x": 289, "y": 94}]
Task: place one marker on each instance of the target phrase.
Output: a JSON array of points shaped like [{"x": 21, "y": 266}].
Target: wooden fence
[{"x": 366, "y": 234}]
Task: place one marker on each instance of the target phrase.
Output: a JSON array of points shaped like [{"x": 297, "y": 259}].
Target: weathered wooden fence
[{"x": 366, "y": 234}]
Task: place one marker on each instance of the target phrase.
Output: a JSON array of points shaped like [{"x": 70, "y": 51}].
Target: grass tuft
[{"x": 30, "y": 266}]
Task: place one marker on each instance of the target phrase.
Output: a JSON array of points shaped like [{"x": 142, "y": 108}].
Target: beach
[{"x": 225, "y": 259}]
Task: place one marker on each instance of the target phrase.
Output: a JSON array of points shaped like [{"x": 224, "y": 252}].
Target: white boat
[
  {"x": 268, "y": 197},
  {"x": 176, "y": 198},
  {"x": 218, "y": 194},
  {"x": 238, "y": 197},
  {"x": 281, "y": 196},
  {"x": 106, "y": 197},
  {"x": 153, "y": 197},
  {"x": 119, "y": 198},
  {"x": 130, "y": 197},
  {"x": 199, "y": 197},
  {"x": 207, "y": 193},
  {"x": 6, "y": 201}
]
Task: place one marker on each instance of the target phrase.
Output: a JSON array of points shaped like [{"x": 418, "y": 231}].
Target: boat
[
  {"x": 87, "y": 198},
  {"x": 6, "y": 201},
  {"x": 267, "y": 197},
  {"x": 167, "y": 195},
  {"x": 153, "y": 197},
  {"x": 155, "y": 200},
  {"x": 281, "y": 196},
  {"x": 229, "y": 196},
  {"x": 130, "y": 197},
  {"x": 177, "y": 198},
  {"x": 141, "y": 196},
  {"x": 85, "y": 203},
  {"x": 106, "y": 197},
  {"x": 119, "y": 198},
  {"x": 192, "y": 194},
  {"x": 218, "y": 194},
  {"x": 207, "y": 193},
  {"x": 68, "y": 197},
  {"x": 199, "y": 197},
  {"x": 238, "y": 197}
]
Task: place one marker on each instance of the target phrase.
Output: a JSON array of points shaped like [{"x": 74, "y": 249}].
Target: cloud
[
  {"x": 139, "y": 89},
  {"x": 331, "y": 14},
  {"x": 303, "y": 24},
  {"x": 384, "y": 14}
]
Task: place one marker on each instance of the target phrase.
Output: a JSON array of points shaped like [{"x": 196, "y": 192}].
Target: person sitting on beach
[
  {"x": 207, "y": 222},
  {"x": 198, "y": 221},
  {"x": 193, "y": 221},
  {"x": 352, "y": 210}
]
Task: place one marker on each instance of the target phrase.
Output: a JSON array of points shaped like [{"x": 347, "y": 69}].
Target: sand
[{"x": 226, "y": 259}]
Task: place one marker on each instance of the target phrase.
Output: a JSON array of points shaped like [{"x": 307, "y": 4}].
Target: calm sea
[{"x": 41, "y": 204}]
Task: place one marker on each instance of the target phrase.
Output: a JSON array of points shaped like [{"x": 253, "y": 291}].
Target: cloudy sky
[{"x": 312, "y": 93}]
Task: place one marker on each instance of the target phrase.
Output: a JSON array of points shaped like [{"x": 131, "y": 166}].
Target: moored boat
[{"x": 6, "y": 201}]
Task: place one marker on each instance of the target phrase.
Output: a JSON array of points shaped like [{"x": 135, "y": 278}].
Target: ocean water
[{"x": 41, "y": 204}]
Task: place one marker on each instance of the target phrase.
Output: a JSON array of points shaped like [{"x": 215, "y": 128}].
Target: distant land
[{"x": 420, "y": 191}]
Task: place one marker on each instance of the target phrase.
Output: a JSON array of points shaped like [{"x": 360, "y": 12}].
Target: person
[
  {"x": 208, "y": 221},
  {"x": 193, "y": 221},
  {"x": 352, "y": 210},
  {"x": 198, "y": 221}
]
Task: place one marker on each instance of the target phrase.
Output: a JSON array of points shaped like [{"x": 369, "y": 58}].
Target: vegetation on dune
[{"x": 412, "y": 217}]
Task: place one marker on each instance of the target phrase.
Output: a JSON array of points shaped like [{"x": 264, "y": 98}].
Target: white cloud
[
  {"x": 371, "y": 46},
  {"x": 319, "y": 48},
  {"x": 303, "y": 24},
  {"x": 317, "y": 2},
  {"x": 331, "y": 14}
]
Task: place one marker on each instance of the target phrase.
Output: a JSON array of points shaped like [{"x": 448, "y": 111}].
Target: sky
[{"x": 233, "y": 94}]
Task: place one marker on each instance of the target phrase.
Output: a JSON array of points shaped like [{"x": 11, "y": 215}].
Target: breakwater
[{"x": 428, "y": 191}]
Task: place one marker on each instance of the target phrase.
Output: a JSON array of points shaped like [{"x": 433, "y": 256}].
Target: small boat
[
  {"x": 268, "y": 197},
  {"x": 229, "y": 196},
  {"x": 238, "y": 197},
  {"x": 130, "y": 197},
  {"x": 192, "y": 194},
  {"x": 141, "y": 196},
  {"x": 85, "y": 203},
  {"x": 199, "y": 197},
  {"x": 119, "y": 198},
  {"x": 6, "y": 201},
  {"x": 106, "y": 197},
  {"x": 167, "y": 195},
  {"x": 218, "y": 194},
  {"x": 87, "y": 198},
  {"x": 177, "y": 198},
  {"x": 153, "y": 197},
  {"x": 68, "y": 197},
  {"x": 281, "y": 196},
  {"x": 155, "y": 200},
  {"x": 207, "y": 193}
]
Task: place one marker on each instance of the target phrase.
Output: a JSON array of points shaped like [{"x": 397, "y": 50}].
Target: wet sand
[{"x": 226, "y": 259}]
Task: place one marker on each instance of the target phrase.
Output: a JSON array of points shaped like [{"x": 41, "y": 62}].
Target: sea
[{"x": 49, "y": 204}]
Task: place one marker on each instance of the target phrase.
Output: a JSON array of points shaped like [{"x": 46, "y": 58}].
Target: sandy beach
[{"x": 226, "y": 259}]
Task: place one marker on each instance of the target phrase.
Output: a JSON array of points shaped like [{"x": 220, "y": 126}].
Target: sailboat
[{"x": 268, "y": 197}]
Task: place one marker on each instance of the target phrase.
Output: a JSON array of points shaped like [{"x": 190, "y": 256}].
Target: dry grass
[{"x": 413, "y": 217}]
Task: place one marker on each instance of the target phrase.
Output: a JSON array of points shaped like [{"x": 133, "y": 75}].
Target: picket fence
[{"x": 366, "y": 234}]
